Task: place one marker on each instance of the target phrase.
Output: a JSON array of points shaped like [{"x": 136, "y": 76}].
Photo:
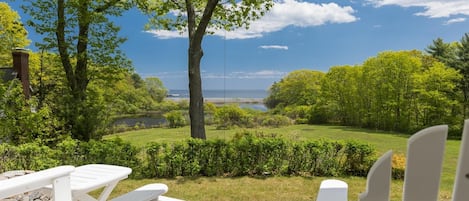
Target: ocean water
[
  {"x": 228, "y": 94},
  {"x": 223, "y": 93}
]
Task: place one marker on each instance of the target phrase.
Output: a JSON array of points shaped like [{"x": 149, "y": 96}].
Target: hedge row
[
  {"x": 246, "y": 154},
  {"x": 253, "y": 155},
  {"x": 32, "y": 156}
]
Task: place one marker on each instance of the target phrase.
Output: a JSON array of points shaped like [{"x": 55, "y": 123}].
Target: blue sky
[{"x": 295, "y": 35}]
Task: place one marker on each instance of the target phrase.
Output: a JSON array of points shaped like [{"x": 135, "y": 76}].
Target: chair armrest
[{"x": 36, "y": 180}]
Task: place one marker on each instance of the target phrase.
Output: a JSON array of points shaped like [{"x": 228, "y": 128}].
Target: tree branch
[
  {"x": 178, "y": 5},
  {"x": 205, "y": 20},
  {"x": 106, "y": 6},
  {"x": 190, "y": 18},
  {"x": 62, "y": 45}
]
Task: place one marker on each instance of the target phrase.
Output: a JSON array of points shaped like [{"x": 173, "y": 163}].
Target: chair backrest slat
[
  {"x": 461, "y": 184},
  {"x": 378, "y": 184},
  {"x": 425, "y": 152}
]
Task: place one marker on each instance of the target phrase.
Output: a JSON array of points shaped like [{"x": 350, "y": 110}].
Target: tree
[
  {"x": 435, "y": 91},
  {"x": 300, "y": 87},
  {"x": 83, "y": 35},
  {"x": 443, "y": 52},
  {"x": 339, "y": 90},
  {"x": 462, "y": 64},
  {"x": 156, "y": 88},
  {"x": 12, "y": 33},
  {"x": 198, "y": 17},
  {"x": 388, "y": 82}
]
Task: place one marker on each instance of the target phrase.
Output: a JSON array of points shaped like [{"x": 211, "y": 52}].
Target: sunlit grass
[{"x": 279, "y": 188}]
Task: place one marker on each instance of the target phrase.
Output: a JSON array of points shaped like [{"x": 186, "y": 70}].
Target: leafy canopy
[
  {"x": 227, "y": 15},
  {"x": 12, "y": 33}
]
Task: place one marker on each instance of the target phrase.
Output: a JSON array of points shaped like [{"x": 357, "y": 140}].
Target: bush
[
  {"x": 32, "y": 156},
  {"x": 29, "y": 156},
  {"x": 232, "y": 116},
  {"x": 398, "y": 166},
  {"x": 252, "y": 154},
  {"x": 175, "y": 119},
  {"x": 276, "y": 121},
  {"x": 257, "y": 154},
  {"x": 21, "y": 123},
  {"x": 297, "y": 112}
]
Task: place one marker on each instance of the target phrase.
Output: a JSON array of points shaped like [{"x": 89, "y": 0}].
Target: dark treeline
[{"x": 402, "y": 91}]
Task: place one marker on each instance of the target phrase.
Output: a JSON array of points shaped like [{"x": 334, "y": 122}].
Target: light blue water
[
  {"x": 224, "y": 93},
  {"x": 229, "y": 94}
]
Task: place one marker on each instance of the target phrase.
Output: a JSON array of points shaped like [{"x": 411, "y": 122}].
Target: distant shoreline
[{"x": 224, "y": 100}]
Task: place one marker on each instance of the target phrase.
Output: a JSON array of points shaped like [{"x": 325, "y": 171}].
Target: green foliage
[
  {"x": 257, "y": 154},
  {"x": 227, "y": 15},
  {"x": 175, "y": 119},
  {"x": 12, "y": 33},
  {"x": 401, "y": 91},
  {"x": 96, "y": 44},
  {"x": 156, "y": 88},
  {"x": 275, "y": 121},
  {"x": 21, "y": 122},
  {"x": 33, "y": 156},
  {"x": 29, "y": 156},
  {"x": 301, "y": 87},
  {"x": 229, "y": 116}
]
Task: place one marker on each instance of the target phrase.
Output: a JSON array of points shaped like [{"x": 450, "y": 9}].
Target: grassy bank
[{"x": 279, "y": 188}]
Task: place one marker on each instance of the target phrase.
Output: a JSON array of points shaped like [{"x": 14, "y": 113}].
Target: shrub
[
  {"x": 175, "y": 119},
  {"x": 398, "y": 166},
  {"x": 257, "y": 154},
  {"x": 29, "y": 156},
  {"x": 276, "y": 121},
  {"x": 253, "y": 154},
  {"x": 297, "y": 112},
  {"x": 358, "y": 158},
  {"x": 21, "y": 123},
  {"x": 232, "y": 115}
]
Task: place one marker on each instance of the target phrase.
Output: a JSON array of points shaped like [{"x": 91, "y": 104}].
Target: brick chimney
[{"x": 21, "y": 66}]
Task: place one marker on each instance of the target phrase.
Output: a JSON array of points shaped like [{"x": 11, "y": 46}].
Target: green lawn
[{"x": 279, "y": 188}]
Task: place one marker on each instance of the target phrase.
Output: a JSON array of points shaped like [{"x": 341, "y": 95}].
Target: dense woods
[{"x": 402, "y": 91}]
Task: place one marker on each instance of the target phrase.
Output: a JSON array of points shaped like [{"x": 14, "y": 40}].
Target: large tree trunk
[
  {"x": 196, "y": 35},
  {"x": 196, "y": 107}
]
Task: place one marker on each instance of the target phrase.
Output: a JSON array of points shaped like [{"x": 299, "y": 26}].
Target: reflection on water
[{"x": 255, "y": 106}]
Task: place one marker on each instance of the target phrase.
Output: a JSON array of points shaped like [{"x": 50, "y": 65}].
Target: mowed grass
[{"x": 279, "y": 188}]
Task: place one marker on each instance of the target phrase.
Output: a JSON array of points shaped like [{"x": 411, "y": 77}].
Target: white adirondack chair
[
  {"x": 59, "y": 177},
  {"x": 423, "y": 170}
]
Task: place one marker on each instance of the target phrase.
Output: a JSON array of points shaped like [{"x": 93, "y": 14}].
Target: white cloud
[
  {"x": 455, "y": 20},
  {"x": 433, "y": 8},
  {"x": 277, "y": 47},
  {"x": 283, "y": 14},
  {"x": 165, "y": 34}
]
